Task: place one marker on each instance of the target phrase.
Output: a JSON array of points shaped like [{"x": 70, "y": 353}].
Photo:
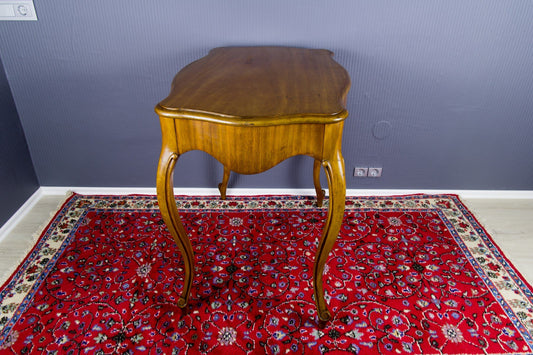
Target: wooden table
[{"x": 251, "y": 108}]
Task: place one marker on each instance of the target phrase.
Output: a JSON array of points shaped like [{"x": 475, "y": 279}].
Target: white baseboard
[
  {"x": 6, "y": 228},
  {"x": 193, "y": 191},
  {"x": 486, "y": 194}
]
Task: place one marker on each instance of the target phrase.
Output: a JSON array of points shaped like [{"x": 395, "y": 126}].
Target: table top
[{"x": 260, "y": 86}]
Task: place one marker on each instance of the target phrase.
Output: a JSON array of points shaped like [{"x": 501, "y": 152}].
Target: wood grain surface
[{"x": 260, "y": 86}]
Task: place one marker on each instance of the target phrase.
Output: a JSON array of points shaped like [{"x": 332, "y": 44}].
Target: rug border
[
  {"x": 36, "y": 237},
  {"x": 520, "y": 280},
  {"x": 495, "y": 245}
]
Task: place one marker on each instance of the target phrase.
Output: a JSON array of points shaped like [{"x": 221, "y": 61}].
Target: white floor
[{"x": 508, "y": 221}]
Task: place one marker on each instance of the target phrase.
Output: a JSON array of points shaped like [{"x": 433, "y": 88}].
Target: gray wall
[
  {"x": 17, "y": 177},
  {"x": 441, "y": 90}
]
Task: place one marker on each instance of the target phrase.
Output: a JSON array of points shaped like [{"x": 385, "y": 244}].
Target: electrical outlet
[
  {"x": 360, "y": 172},
  {"x": 374, "y": 172}
]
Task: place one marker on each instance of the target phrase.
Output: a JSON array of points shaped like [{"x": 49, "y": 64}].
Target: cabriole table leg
[
  {"x": 224, "y": 184},
  {"x": 337, "y": 196},
  {"x": 169, "y": 212},
  {"x": 334, "y": 167},
  {"x": 316, "y": 179}
]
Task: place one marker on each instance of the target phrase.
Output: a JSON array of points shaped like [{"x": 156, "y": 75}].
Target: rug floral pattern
[{"x": 408, "y": 274}]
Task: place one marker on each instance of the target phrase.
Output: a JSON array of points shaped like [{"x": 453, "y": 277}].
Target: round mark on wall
[{"x": 381, "y": 129}]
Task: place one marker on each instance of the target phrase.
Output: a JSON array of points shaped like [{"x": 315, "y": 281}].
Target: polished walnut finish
[{"x": 251, "y": 108}]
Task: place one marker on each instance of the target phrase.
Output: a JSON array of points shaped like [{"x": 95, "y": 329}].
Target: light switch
[{"x": 17, "y": 10}]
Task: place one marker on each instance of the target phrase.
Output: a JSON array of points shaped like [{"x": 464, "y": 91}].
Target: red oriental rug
[{"x": 409, "y": 274}]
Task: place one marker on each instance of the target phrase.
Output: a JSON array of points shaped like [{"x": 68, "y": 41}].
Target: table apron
[{"x": 253, "y": 149}]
